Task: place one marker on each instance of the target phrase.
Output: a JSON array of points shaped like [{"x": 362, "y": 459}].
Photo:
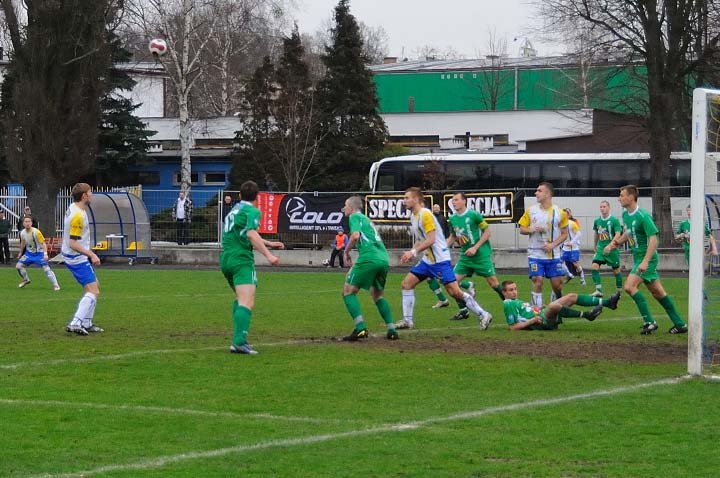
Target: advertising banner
[{"x": 301, "y": 212}]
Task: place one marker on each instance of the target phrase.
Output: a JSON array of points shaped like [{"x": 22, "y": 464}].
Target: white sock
[
  {"x": 408, "y": 302},
  {"x": 537, "y": 299},
  {"x": 50, "y": 275},
  {"x": 23, "y": 273},
  {"x": 582, "y": 273},
  {"x": 86, "y": 309},
  {"x": 553, "y": 296},
  {"x": 473, "y": 305}
]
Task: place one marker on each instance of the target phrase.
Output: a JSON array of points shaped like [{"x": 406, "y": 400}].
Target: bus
[{"x": 581, "y": 181}]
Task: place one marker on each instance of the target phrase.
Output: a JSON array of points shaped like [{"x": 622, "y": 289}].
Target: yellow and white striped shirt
[
  {"x": 421, "y": 224},
  {"x": 75, "y": 226},
  {"x": 34, "y": 240},
  {"x": 554, "y": 220}
]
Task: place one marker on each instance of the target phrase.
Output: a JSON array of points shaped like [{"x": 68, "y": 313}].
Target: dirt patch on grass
[{"x": 645, "y": 352}]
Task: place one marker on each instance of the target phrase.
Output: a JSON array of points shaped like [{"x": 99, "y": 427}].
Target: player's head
[
  {"x": 27, "y": 222},
  {"x": 568, "y": 211},
  {"x": 81, "y": 192},
  {"x": 628, "y": 195},
  {"x": 604, "y": 208},
  {"x": 459, "y": 201},
  {"x": 509, "y": 289},
  {"x": 413, "y": 198},
  {"x": 249, "y": 191},
  {"x": 353, "y": 204},
  {"x": 688, "y": 210},
  {"x": 227, "y": 199},
  {"x": 544, "y": 192}
]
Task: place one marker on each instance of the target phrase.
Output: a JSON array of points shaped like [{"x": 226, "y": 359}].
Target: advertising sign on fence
[{"x": 300, "y": 212}]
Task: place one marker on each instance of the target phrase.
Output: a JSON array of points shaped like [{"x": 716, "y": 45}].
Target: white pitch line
[
  {"x": 141, "y": 353},
  {"x": 388, "y": 428},
  {"x": 167, "y": 410},
  {"x": 110, "y": 296}
]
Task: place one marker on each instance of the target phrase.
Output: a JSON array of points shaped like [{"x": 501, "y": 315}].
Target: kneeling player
[{"x": 521, "y": 315}]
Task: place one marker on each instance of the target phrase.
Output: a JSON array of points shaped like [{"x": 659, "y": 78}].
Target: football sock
[
  {"x": 437, "y": 290},
  {"x": 669, "y": 305},
  {"x": 408, "y": 304},
  {"x": 568, "y": 312},
  {"x": 618, "y": 280},
  {"x": 465, "y": 284},
  {"x": 596, "y": 280},
  {"x": 460, "y": 303},
  {"x": 241, "y": 323},
  {"x": 383, "y": 306},
  {"x": 642, "y": 305},
  {"x": 537, "y": 299},
  {"x": 352, "y": 304},
  {"x": 23, "y": 273},
  {"x": 582, "y": 272},
  {"x": 472, "y": 305},
  {"x": 86, "y": 309},
  {"x": 50, "y": 275},
  {"x": 498, "y": 289},
  {"x": 585, "y": 300}
]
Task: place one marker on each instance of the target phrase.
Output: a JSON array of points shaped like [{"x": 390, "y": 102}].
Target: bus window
[
  {"x": 515, "y": 174},
  {"x": 567, "y": 174},
  {"x": 608, "y": 174},
  {"x": 467, "y": 176},
  {"x": 386, "y": 182}
]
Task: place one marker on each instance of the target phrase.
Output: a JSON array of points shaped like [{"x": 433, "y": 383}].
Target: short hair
[
  {"x": 249, "y": 191},
  {"x": 355, "y": 202},
  {"x": 462, "y": 195},
  {"x": 605, "y": 202},
  {"x": 506, "y": 283},
  {"x": 78, "y": 190},
  {"x": 417, "y": 192},
  {"x": 688, "y": 207},
  {"x": 549, "y": 187},
  {"x": 631, "y": 190},
  {"x": 26, "y": 217}
]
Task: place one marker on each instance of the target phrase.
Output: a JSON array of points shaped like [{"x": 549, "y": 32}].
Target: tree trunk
[
  {"x": 42, "y": 194},
  {"x": 185, "y": 143}
]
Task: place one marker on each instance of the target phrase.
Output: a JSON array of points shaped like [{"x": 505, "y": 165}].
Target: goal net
[{"x": 704, "y": 278}]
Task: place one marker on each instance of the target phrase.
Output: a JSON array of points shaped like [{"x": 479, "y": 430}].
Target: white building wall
[{"x": 149, "y": 92}]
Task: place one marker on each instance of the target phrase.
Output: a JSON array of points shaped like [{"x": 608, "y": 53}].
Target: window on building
[
  {"x": 193, "y": 178},
  {"x": 214, "y": 178}
]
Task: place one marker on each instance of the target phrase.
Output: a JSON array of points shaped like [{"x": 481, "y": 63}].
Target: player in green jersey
[
  {"x": 470, "y": 229},
  {"x": 368, "y": 272},
  {"x": 237, "y": 262},
  {"x": 642, "y": 236},
  {"x": 683, "y": 236},
  {"x": 606, "y": 228},
  {"x": 524, "y": 316}
]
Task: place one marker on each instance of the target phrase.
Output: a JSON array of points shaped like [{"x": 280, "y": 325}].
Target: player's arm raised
[{"x": 258, "y": 244}]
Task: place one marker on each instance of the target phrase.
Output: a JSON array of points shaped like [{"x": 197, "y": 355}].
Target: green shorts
[
  {"x": 239, "y": 274},
  {"x": 364, "y": 275},
  {"x": 612, "y": 259},
  {"x": 467, "y": 266},
  {"x": 650, "y": 273}
]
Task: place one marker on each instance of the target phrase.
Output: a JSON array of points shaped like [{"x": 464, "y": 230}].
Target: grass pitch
[{"x": 158, "y": 394}]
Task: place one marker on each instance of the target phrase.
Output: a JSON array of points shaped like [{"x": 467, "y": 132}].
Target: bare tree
[
  {"x": 495, "y": 84},
  {"x": 433, "y": 52},
  {"x": 675, "y": 41}
]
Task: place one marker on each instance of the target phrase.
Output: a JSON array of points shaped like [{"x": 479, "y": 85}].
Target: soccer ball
[
  {"x": 326, "y": 262},
  {"x": 157, "y": 47}
]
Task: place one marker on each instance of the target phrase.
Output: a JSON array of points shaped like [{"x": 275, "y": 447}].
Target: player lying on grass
[{"x": 523, "y": 316}]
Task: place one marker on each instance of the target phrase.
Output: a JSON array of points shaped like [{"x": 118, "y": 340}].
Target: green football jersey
[
  {"x": 241, "y": 219},
  {"x": 517, "y": 311},
  {"x": 370, "y": 245},
  {"x": 467, "y": 229},
  {"x": 606, "y": 229},
  {"x": 684, "y": 228},
  {"x": 639, "y": 227}
]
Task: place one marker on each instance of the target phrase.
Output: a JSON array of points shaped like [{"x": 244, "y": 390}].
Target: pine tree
[
  {"x": 122, "y": 136},
  {"x": 355, "y": 131}
]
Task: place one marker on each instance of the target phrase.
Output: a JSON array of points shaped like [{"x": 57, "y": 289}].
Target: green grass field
[{"x": 158, "y": 394}]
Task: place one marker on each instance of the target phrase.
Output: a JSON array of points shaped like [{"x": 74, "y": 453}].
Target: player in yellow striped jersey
[
  {"x": 434, "y": 262},
  {"x": 33, "y": 251}
]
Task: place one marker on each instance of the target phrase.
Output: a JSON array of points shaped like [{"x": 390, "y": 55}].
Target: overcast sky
[{"x": 411, "y": 24}]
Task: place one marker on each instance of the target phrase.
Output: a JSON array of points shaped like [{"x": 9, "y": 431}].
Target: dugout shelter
[{"x": 120, "y": 225}]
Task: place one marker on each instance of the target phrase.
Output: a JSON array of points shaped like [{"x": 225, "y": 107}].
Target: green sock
[
  {"x": 568, "y": 312},
  {"x": 643, "y": 307},
  {"x": 618, "y": 280},
  {"x": 669, "y": 305},
  {"x": 587, "y": 300},
  {"x": 352, "y": 304},
  {"x": 498, "y": 289},
  {"x": 596, "y": 280},
  {"x": 383, "y": 306},
  {"x": 437, "y": 290},
  {"x": 465, "y": 284},
  {"x": 241, "y": 323}
]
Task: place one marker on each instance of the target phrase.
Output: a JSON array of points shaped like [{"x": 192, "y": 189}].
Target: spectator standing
[
  {"x": 4, "y": 239},
  {"x": 182, "y": 213}
]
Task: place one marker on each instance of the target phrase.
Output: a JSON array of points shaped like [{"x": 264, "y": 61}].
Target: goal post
[{"x": 702, "y": 314}]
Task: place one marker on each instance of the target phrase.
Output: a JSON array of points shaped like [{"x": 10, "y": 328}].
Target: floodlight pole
[{"x": 697, "y": 257}]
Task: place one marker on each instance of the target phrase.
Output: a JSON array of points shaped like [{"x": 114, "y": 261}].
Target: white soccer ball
[
  {"x": 326, "y": 262},
  {"x": 157, "y": 46}
]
